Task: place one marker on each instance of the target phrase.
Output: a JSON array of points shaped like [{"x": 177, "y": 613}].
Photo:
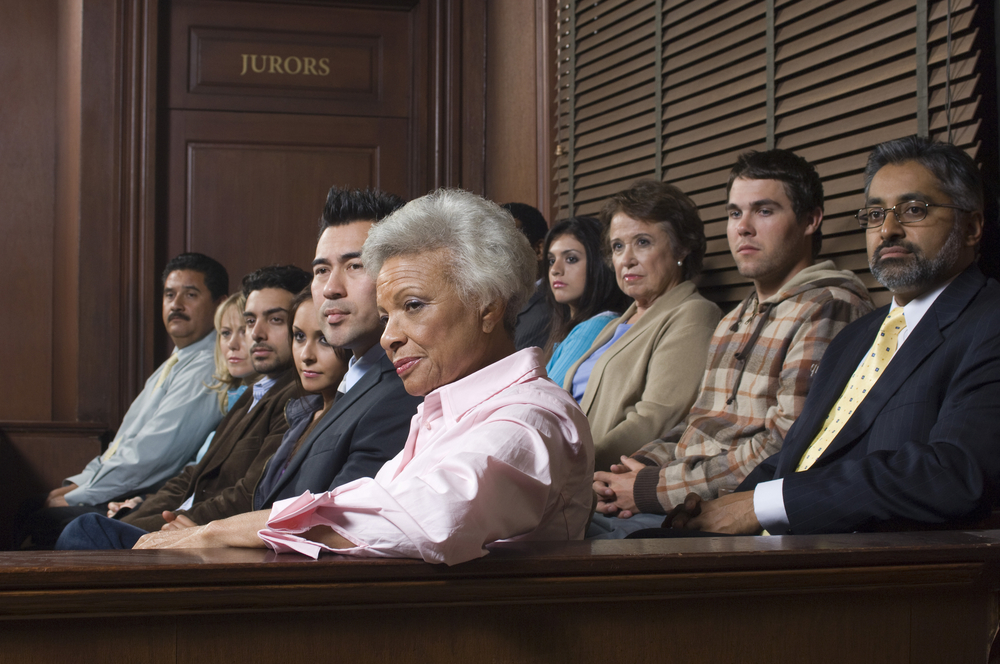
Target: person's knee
[{"x": 77, "y": 533}]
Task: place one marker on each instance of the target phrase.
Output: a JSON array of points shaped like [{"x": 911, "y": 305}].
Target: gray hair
[
  {"x": 494, "y": 259},
  {"x": 956, "y": 172}
]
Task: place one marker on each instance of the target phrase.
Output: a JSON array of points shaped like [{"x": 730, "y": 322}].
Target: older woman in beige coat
[{"x": 641, "y": 375}]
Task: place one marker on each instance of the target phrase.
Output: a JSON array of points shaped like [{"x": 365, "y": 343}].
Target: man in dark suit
[
  {"x": 918, "y": 445},
  {"x": 368, "y": 423}
]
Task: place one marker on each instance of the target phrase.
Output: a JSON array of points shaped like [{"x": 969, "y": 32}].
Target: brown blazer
[{"x": 224, "y": 480}]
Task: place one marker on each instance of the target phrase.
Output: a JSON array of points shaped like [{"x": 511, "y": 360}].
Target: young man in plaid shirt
[{"x": 763, "y": 353}]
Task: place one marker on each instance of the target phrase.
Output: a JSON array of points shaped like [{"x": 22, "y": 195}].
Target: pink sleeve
[{"x": 492, "y": 481}]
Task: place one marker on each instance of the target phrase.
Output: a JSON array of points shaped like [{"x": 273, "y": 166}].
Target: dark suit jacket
[
  {"x": 923, "y": 448},
  {"x": 363, "y": 429},
  {"x": 224, "y": 480},
  {"x": 532, "y": 327}
]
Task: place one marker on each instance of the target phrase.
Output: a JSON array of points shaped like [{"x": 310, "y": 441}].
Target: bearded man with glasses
[{"x": 901, "y": 429}]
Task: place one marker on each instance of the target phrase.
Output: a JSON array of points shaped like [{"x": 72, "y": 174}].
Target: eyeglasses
[{"x": 907, "y": 212}]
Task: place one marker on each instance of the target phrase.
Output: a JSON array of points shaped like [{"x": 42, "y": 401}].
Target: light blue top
[
  {"x": 576, "y": 343},
  {"x": 160, "y": 432},
  {"x": 587, "y": 367},
  {"x": 233, "y": 395}
]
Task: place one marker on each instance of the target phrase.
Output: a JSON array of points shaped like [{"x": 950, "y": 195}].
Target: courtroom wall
[{"x": 107, "y": 170}]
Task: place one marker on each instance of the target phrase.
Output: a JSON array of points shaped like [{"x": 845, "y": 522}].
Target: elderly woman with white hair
[{"x": 495, "y": 452}]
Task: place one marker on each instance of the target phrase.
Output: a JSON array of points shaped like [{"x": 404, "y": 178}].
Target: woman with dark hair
[
  {"x": 582, "y": 293},
  {"x": 641, "y": 375},
  {"x": 319, "y": 368}
]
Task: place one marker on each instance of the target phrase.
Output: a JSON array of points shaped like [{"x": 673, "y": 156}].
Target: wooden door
[{"x": 267, "y": 106}]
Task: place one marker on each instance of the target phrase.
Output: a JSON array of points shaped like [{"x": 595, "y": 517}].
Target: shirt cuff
[
  {"x": 769, "y": 506},
  {"x": 292, "y": 516},
  {"x": 77, "y": 496}
]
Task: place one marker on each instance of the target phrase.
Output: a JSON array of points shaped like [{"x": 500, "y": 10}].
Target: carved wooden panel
[
  {"x": 324, "y": 60},
  {"x": 248, "y": 188}
]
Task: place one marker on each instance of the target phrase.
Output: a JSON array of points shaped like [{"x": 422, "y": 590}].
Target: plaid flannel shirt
[{"x": 745, "y": 407}]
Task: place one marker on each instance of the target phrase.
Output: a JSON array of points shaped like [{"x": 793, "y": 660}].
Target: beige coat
[{"x": 648, "y": 380}]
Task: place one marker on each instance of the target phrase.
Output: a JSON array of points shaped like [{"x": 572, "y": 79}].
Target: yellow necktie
[
  {"x": 167, "y": 366},
  {"x": 858, "y": 386},
  {"x": 171, "y": 361}
]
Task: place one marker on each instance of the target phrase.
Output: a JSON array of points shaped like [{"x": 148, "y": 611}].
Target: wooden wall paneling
[
  {"x": 140, "y": 296},
  {"x": 248, "y": 188},
  {"x": 101, "y": 397},
  {"x": 422, "y": 126},
  {"x": 65, "y": 348},
  {"x": 88, "y": 85},
  {"x": 456, "y": 91},
  {"x": 102, "y": 252},
  {"x": 471, "y": 88},
  {"x": 440, "y": 155},
  {"x": 512, "y": 103},
  {"x": 28, "y": 65}
]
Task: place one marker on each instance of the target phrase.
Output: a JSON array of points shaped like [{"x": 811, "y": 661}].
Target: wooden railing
[{"x": 900, "y": 597}]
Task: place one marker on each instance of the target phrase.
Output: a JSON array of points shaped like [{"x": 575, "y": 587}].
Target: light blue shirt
[
  {"x": 161, "y": 430},
  {"x": 576, "y": 343},
  {"x": 582, "y": 374},
  {"x": 358, "y": 367},
  {"x": 260, "y": 388}
]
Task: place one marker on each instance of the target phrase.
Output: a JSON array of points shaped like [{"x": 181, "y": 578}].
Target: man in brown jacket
[{"x": 222, "y": 483}]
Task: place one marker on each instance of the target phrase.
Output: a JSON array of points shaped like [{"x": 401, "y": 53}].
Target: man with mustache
[
  {"x": 222, "y": 483},
  {"x": 902, "y": 426},
  {"x": 167, "y": 421},
  {"x": 763, "y": 353}
]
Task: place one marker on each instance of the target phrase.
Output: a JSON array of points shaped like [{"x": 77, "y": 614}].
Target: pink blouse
[{"x": 502, "y": 454}]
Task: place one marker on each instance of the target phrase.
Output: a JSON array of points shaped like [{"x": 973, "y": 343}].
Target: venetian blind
[{"x": 676, "y": 89}]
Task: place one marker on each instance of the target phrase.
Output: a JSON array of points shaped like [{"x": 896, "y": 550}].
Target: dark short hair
[
  {"x": 533, "y": 223},
  {"x": 600, "y": 293},
  {"x": 664, "y": 204},
  {"x": 956, "y": 172},
  {"x": 287, "y": 277},
  {"x": 216, "y": 277},
  {"x": 802, "y": 184},
  {"x": 344, "y": 206}
]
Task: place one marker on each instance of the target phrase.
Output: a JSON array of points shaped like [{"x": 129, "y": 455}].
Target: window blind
[{"x": 677, "y": 89}]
